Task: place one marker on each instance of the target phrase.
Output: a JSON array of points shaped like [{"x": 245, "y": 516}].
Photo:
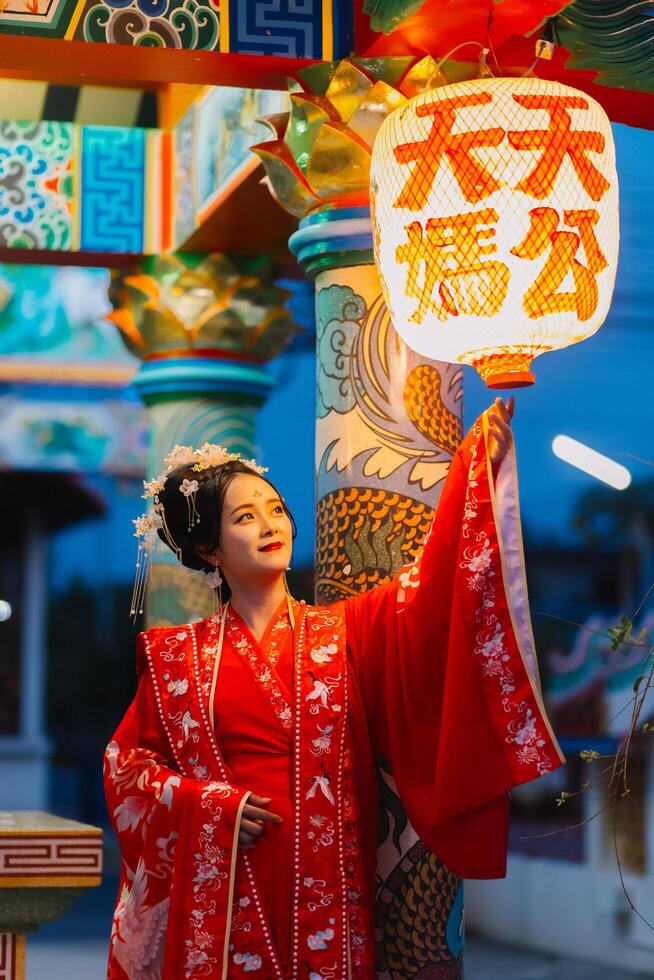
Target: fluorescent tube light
[{"x": 591, "y": 462}]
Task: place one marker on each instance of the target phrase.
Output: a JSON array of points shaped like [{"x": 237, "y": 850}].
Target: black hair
[{"x": 204, "y": 534}]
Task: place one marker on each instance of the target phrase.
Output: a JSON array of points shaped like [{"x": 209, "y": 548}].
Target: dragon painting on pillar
[{"x": 388, "y": 424}]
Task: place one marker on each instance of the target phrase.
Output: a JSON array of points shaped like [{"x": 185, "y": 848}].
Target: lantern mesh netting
[{"x": 495, "y": 220}]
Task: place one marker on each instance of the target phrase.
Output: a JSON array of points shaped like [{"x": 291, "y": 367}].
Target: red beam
[
  {"x": 102, "y": 260},
  {"x": 92, "y": 63}
]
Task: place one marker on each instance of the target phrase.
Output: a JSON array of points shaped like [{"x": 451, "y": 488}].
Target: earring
[{"x": 215, "y": 580}]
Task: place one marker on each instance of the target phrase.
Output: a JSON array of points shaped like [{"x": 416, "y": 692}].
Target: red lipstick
[{"x": 273, "y": 546}]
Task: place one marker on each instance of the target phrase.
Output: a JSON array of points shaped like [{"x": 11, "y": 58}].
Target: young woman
[{"x": 241, "y": 781}]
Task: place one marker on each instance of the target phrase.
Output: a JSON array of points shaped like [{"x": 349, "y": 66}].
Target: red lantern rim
[{"x": 510, "y": 379}]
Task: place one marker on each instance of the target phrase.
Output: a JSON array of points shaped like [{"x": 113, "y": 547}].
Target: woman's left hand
[{"x": 499, "y": 424}]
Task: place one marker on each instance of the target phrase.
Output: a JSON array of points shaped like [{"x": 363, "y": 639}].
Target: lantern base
[
  {"x": 506, "y": 368},
  {"x": 510, "y": 379}
]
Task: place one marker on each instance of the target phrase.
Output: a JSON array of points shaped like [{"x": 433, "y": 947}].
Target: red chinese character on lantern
[
  {"x": 458, "y": 276},
  {"x": 474, "y": 180},
  {"x": 555, "y": 143},
  {"x": 543, "y": 296}
]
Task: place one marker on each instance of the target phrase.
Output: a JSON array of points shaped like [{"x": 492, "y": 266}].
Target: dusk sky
[{"x": 599, "y": 392}]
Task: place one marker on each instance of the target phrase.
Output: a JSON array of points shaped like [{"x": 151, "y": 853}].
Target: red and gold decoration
[
  {"x": 495, "y": 217},
  {"x": 176, "y": 305},
  {"x": 320, "y": 155}
]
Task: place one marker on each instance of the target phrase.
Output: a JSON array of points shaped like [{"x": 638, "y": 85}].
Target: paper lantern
[{"x": 495, "y": 219}]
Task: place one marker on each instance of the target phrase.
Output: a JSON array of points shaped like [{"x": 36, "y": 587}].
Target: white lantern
[{"x": 495, "y": 220}]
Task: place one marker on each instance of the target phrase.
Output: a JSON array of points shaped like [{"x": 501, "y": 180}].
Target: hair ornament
[
  {"x": 189, "y": 488},
  {"x": 214, "y": 578},
  {"x": 145, "y": 528}
]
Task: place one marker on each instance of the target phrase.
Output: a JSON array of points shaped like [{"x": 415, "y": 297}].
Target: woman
[{"x": 241, "y": 781}]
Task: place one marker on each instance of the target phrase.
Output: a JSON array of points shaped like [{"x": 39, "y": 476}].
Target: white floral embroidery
[
  {"x": 177, "y": 688},
  {"x": 323, "y": 743},
  {"x": 262, "y": 674},
  {"x": 249, "y": 961},
  {"x": 201, "y": 773},
  {"x": 320, "y": 939},
  {"x": 324, "y": 654},
  {"x": 130, "y": 812},
  {"x": 479, "y": 561},
  {"x": 217, "y": 789},
  {"x": 207, "y": 878}
]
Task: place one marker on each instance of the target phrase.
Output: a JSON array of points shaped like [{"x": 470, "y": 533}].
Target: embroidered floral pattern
[
  {"x": 277, "y": 635},
  {"x": 209, "y": 875},
  {"x": 262, "y": 673},
  {"x": 181, "y": 663},
  {"x": 320, "y": 734},
  {"x": 480, "y": 558}
]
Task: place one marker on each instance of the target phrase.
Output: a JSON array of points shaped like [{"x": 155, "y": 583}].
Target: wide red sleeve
[
  {"x": 178, "y": 839},
  {"x": 445, "y": 660}
]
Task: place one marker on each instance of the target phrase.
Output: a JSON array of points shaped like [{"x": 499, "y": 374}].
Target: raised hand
[
  {"x": 499, "y": 423},
  {"x": 254, "y": 820}
]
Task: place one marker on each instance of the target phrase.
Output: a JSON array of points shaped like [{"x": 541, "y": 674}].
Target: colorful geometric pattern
[
  {"x": 113, "y": 191},
  {"x": 38, "y": 17},
  {"x": 191, "y": 24},
  {"x": 284, "y": 27},
  {"x": 36, "y": 185},
  {"x": 51, "y": 856},
  {"x": 288, "y": 28}
]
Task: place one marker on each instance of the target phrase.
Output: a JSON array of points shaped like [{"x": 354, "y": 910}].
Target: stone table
[{"x": 46, "y": 863}]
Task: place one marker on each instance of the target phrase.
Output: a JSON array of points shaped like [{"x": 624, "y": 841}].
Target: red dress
[{"x": 435, "y": 671}]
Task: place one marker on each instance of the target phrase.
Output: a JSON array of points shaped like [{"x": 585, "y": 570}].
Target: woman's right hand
[{"x": 254, "y": 819}]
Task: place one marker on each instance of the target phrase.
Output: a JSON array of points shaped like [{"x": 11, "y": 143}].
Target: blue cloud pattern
[{"x": 340, "y": 312}]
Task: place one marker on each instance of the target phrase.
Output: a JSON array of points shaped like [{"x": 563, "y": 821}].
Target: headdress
[{"x": 208, "y": 456}]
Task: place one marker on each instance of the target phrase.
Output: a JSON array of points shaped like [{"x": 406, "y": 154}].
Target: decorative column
[
  {"x": 204, "y": 328},
  {"x": 388, "y": 423}
]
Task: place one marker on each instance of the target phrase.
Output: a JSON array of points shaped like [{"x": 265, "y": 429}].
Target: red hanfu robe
[{"x": 436, "y": 671}]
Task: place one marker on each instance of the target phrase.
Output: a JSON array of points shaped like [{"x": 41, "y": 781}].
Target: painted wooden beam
[{"x": 84, "y": 63}]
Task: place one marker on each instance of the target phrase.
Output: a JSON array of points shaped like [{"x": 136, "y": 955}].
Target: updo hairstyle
[{"x": 204, "y": 535}]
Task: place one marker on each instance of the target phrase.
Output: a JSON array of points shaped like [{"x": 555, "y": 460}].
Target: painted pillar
[
  {"x": 388, "y": 422},
  {"x": 190, "y": 401},
  {"x": 204, "y": 325}
]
